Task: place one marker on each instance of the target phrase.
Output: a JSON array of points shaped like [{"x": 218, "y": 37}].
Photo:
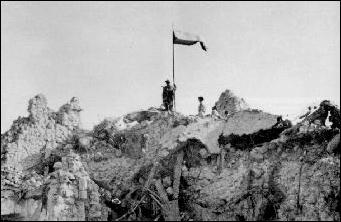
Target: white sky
[{"x": 115, "y": 56}]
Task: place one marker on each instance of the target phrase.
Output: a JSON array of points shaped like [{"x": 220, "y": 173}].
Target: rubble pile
[
  {"x": 231, "y": 103},
  {"x": 247, "y": 141},
  {"x": 151, "y": 165},
  {"x": 31, "y": 139},
  {"x": 42, "y": 131},
  {"x": 117, "y": 155},
  {"x": 71, "y": 194},
  {"x": 274, "y": 181},
  {"x": 65, "y": 194},
  {"x": 326, "y": 112}
]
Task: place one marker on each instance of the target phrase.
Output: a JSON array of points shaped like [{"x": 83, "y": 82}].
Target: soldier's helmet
[{"x": 167, "y": 81}]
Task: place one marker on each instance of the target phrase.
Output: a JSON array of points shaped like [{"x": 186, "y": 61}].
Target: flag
[{"x": 185, "y": 38}]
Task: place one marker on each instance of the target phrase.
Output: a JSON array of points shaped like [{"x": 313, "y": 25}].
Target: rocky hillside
[{"x": 150, "y": 165}]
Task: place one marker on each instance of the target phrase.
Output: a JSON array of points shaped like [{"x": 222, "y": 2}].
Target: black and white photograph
[{"x": 170, "y": 111}]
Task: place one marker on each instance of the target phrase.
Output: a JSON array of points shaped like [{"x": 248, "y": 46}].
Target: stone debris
[
  {"x": 41, "y": 132},
  {"x": 38, "y": 110},
  {"x": 231, "y": 103},
  {"x": 32, "y": 139},
  {"x": 334, "y": 144},
  {"x": 167, "y": 182},
  {"x": 149, "y": 165},
  {"x": 68, "y": 114}
]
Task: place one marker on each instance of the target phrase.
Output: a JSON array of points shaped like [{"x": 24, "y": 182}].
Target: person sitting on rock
[
  {"x": 282, "y": 123},
  {"x": 279, "y": 122},
  {"x": 226, "y": 115},
  {"x": 328, "y": 122},
  {"x": 201, "y": 107},
  {"x": 334, "y": 117},
  {"x": 320, "y": 114},
  {"x": 215, "y": 115}
]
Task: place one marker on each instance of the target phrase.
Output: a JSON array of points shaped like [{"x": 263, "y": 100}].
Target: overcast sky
[{"x": 115, "y": 56}]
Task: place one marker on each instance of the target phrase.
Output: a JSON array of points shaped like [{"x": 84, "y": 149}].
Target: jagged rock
[
  {"x": 74, "y": 188},
  {"x": 32, "y": 139},
  {"x": 118, "y": 153},
  {"x": 38, "y": 110},
  {"x": 57, "y": 165},
  {"x": 85, "y": 142},
  {"x": 334, "y": 144},
  {"x": 231, "y": 103},
  {"x": 40, "y": 133},
  {"x": 62, "y": 198},
  {"x": 169, "y": 191},
  {"x": 203, "y": 153},
  {"x": 166, "y": 182},
  {"x": 141, "y": 116},
  {"x": 69, "y": 114},
  {"x": 319, "y": 116}
]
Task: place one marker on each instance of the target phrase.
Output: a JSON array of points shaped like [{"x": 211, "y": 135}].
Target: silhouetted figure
[
  {"x": 215, "y": 115},
  {"x": 201, "y": 107},
  {"x": 168, "y": 94}
]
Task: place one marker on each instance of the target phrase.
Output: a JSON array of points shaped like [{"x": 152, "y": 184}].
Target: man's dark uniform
[{"x": 168, "y": 96}]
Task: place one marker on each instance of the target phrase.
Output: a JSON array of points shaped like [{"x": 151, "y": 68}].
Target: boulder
[
  {"x": 58, "y": 165},
  {"x": 169, "y": 191},
  {"x": 230, "y": 102},
  {"x": 85, "y": 142},
  {"x": 166, "y": 182}
]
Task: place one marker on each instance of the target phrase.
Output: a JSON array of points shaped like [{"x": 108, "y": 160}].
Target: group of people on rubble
[
  {"x": 326, "y": 114},
  {"x": 168, "y": 95}
]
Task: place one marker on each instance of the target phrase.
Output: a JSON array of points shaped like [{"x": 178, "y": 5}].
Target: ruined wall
[
  {"x": 292, "y": 179},
  {"x": 41, "y": 132},
  {"x": 229, "y": 102},
  {"x": 66, "y": 194},
  {"x": 117, "y": 155},
  {"x": 31, "y": 139}
]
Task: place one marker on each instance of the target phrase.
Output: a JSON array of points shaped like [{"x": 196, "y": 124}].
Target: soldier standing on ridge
[{"x": 168, "y": 95}]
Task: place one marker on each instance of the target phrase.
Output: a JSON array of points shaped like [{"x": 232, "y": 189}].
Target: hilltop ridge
[{"x": 150, "y": 164}]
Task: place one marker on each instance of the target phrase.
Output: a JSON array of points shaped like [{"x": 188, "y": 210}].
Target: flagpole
[{"x": 173, "y": 60}]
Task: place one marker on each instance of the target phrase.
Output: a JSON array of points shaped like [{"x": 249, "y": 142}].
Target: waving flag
[{"x": 185, "y": 38}]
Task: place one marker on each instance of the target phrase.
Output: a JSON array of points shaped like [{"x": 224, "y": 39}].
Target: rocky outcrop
[
  {"x": 68, "y": 114},
  {"x": 66, "y": 194},
  {"x": 334, "y": 144},
  {"x": 31, "y": 139},
  {"x": 41, "y": 132},
  {"x": 279, "y": 180},
  {"x": 71, "y": 194},
  {"x": 326, "y": 112},
  {"x": 229, "y": 102},
  {"x": 207, "y": 130}
]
